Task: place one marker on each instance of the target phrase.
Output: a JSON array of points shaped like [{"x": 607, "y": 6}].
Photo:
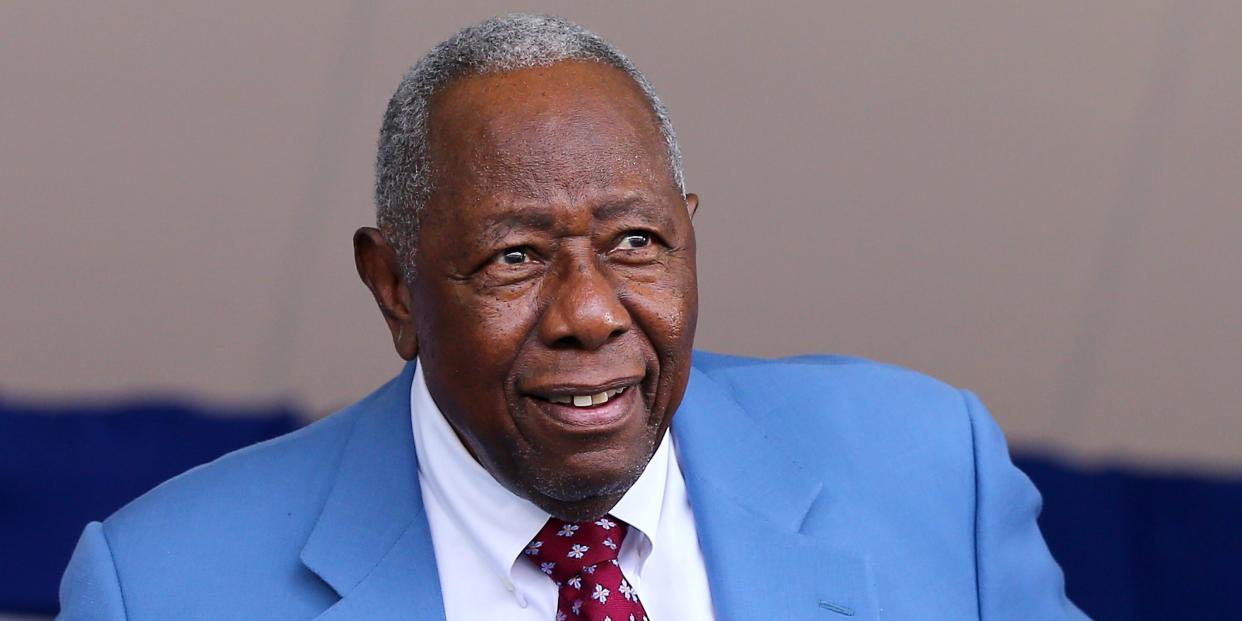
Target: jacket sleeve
[
  {"x": 90, "y": 589},
  {"x": 1016, "y": 576}
]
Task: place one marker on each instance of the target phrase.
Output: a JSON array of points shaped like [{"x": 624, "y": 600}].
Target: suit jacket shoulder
[
  {"x": 915, "y": 480},
  {"x": 222, "y": 538},
  {"x": 826, "y": 408}
]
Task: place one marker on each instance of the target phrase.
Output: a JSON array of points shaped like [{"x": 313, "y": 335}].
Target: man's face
[{"x": 555, "y": 296}]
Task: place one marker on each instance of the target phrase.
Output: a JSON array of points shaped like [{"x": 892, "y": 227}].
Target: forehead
[{"x": 561, "y": 129}]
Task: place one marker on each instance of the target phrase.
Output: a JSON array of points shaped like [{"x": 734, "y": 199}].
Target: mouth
[{"x": 593, "y": 408}]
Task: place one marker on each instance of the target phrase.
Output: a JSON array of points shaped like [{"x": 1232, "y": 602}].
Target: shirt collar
[
  {"x": 500, "y": 522},
  {"x": 641, "y": 505}
]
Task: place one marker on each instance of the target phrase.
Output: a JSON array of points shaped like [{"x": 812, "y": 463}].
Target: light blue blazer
[{"x": 823, "y": 488}]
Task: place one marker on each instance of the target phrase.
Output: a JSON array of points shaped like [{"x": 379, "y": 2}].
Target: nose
[{"x": 585, "y": 310}]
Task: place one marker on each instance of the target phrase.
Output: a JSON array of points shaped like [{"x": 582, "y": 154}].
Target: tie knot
[{"x": 564, "y": 550}]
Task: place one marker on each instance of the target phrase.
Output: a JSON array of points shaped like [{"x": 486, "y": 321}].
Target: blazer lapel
[
  {"x": 372, "y": 543},
  {"x": 750, "y": 500}
]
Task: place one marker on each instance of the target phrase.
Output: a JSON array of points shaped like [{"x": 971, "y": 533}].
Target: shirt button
[{"x": 509, "y": 586}]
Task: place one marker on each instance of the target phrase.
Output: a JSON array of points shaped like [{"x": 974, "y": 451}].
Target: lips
[{"x": 591, "y": 408}]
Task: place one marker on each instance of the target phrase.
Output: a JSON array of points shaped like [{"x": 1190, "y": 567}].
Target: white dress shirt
[{"x": 479, "y": 530}]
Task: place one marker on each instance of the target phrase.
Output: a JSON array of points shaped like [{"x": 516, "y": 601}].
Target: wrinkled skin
[{"x": 556, "y": 257}]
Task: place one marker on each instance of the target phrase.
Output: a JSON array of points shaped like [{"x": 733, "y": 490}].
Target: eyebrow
[
  {"x": 539, "y": 217},
  {"x": 520, "y": 218},
  {"x": 614, "y": 209}
]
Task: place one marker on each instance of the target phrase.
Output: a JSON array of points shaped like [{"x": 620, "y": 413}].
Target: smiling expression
[{"x": 555, "y": 296}]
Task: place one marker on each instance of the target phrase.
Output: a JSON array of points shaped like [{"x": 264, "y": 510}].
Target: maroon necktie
[{"x": 581, "y": 558}]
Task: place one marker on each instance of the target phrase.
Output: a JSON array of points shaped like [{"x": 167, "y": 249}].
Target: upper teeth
[{"x": 586, "y": 401}]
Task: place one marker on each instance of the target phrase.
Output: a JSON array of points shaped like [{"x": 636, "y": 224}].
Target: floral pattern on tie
[{"x": 581, "y": 558}]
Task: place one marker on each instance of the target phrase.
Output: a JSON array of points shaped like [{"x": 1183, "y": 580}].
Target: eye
[
  {"x": 512, "y": 256},
  {"x": 510, "y": 266},
  {"x": 634, "y": 240}
]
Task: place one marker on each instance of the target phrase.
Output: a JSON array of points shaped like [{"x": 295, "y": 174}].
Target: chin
[
  {"x": 587, "y": 479},
  {"x": 582, "y": 504}
]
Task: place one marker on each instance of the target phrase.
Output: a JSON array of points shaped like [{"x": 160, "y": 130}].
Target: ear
[
  {"x": 692, "y": 203},
  {"x": 381, "y": 272}
]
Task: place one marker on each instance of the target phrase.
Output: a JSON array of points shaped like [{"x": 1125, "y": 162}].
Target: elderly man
[{"x": 553, "y": 450}]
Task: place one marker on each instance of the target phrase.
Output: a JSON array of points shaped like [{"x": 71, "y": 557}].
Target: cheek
[
  {"x": 493, "y": 330},
  {"x": 667, "y": 310},
  {"x": 473, "y": 334}
]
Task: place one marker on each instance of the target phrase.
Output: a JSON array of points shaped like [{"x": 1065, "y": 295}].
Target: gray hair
[{"x": 516, "y": 41}]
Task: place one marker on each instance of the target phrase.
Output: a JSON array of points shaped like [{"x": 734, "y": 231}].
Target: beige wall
[{"x": 1039, "y": 201}]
